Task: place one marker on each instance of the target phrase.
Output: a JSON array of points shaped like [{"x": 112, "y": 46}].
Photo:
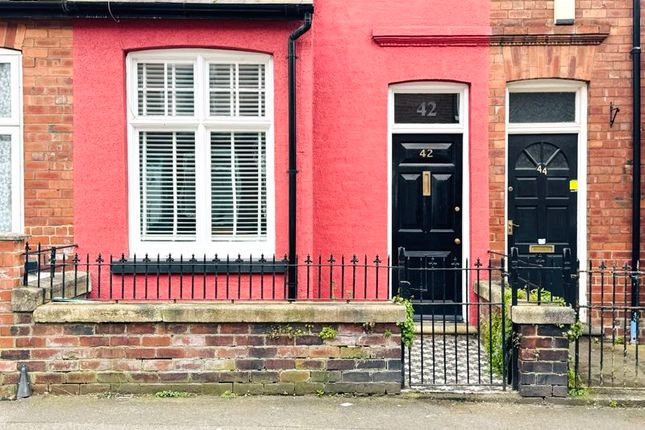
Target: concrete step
[{"x": 449, "y": 328}]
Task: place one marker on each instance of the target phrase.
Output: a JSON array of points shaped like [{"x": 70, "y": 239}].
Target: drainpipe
[
  {"x": 293, "y": 270},
  {"x": 636, "y": 157}
]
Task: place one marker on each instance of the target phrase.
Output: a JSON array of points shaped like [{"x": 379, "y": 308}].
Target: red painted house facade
[
  {"x": 172, "y": 136},
  {"x": 224, "y": 153}
]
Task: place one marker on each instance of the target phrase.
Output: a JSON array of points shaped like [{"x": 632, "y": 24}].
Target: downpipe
[
  {"x": 293, "y": 272},
  {"x": 636, "y": 157}
]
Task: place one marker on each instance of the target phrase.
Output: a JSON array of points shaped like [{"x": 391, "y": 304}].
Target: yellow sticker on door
[{"x": 573, "y": 185}]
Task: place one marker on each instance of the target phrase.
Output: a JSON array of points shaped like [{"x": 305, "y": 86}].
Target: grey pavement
[{"x": 90, "y": 412}]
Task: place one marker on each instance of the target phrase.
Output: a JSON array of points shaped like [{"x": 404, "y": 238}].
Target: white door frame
[
  {"x": 459, "y": 128},
  {"x": 579, "y": 127}
]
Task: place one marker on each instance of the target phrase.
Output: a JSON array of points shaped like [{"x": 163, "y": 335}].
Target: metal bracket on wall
[{"x": 613, "y": 111}]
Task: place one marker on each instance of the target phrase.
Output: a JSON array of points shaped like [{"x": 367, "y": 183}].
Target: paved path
[
  {"x": 455, "y": 363},
  {"x": 87, "y": 412}
]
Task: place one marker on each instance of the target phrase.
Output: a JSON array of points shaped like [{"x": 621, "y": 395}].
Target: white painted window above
[
  {"x": 11, "y": 165},
  {"x": 201, "y": 152}
]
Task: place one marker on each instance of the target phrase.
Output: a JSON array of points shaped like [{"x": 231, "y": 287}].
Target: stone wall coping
[
  {"x": 283, "y": 312},
  {"x": 13, "y": 237},
  {"x": 542, "y": 314}
]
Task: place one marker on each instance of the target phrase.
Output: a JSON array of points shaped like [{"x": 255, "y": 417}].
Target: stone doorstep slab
[
  {"x": 302, "y": 312},
  {"x": 28, "y": 297}
]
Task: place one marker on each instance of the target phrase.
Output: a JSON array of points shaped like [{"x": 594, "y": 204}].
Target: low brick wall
[
  {"x": 543, "y": 361},
  {"x": 209, "y": 358},
  {"x": 543, "y": 350}
]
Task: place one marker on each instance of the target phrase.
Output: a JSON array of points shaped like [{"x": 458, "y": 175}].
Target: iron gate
[{"x": 462, "y": 343}]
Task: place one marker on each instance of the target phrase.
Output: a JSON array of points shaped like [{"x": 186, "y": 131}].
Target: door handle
[
  {"x": 427, "y": 184},
  {"x": 509, "y": 227},
  {"x": 457, "y": 241}
]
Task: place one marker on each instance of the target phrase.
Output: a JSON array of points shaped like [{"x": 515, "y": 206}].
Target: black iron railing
[
  {"x": 207, "y": 278},
  {"x": 607, "y": 349},
  {"x": 462, "y": 310}
]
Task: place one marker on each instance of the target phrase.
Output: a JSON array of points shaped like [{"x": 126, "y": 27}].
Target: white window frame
[
  {"x": 12, "y": 126},
  {"x": 579, "y": 127},
  {"x": 461, "y": 127},
  {"x": 202, "y": 123}
]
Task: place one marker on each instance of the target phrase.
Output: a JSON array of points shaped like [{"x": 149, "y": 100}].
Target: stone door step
[{"x": 449, "y": 328}]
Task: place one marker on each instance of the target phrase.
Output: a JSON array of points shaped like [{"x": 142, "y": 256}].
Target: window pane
[
  {"x": 238, "y": 186},
  {"x": 167, "y": 181},
  {"x": 5, "y": 183},
  {"x": 542, "y": 107},
  {"x": 166, "y": 89},
  {"x": 222, "y": 94},
  {"x": 5, "y": 90},
  {"x": 237, "y": 90},
  {"x": 426, "y": 108}
]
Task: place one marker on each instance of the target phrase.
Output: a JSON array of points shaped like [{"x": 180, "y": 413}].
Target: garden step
[{"x": 440, "y": 329}]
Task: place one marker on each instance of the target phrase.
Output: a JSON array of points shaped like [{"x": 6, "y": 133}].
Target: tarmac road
[{"x": 90, "y": 412}]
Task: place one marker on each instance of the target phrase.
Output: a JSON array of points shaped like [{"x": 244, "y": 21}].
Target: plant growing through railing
[
  {"x": 495, "y": 345},
  {"x": 575, "y": 385},
  {"x": 407, "y": 326},
  {"x": 493, "y": 330}
]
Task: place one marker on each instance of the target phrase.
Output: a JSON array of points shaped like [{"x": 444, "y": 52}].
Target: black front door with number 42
[{"x": 427, "y": 218}]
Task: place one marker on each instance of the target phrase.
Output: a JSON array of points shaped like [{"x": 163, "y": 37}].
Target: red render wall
[
  {"x": 100, "y": 144},
  {"x": 350, "y": 113},
  {"x": 607, "y": 69},
  {"x": 46, "y": 48}
]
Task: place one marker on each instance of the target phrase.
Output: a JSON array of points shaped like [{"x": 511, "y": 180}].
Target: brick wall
[
  {"x": 543, "y": 361},
  {"x": 147, "y": 355},
  {"x": 11, "y": 266},
  {"x": 607, "y": 68},
  {"x": 203, "y": 358},
  {"x": 47, "y": 111}
]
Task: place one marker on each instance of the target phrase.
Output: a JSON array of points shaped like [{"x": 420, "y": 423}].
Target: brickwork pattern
[
  {"x": 47, "y": 134},
  {"x": 543, "y": 361},
  {"x": 204, "y": 358},
  {"x": 11, "y": 266},
  {"x": 607, "y": 68}
]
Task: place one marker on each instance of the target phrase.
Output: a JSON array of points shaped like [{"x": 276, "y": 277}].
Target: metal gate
[{"x": 464, "y": 344}]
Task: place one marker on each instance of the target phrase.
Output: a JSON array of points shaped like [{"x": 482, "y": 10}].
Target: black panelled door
[
  {"x": 542, "y": 199},
  {"x": 426, "y": 221}
]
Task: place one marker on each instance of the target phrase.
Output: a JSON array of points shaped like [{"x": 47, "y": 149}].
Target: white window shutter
[
  {"x": 166, "y": 89},
  {"x": 167, "y": 182},
  {"x": 238, "y": 186}
]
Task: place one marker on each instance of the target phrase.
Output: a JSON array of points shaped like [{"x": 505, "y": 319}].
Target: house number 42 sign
[{"x": 427, "y": 109}]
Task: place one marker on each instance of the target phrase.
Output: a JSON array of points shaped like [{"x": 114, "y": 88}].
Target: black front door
[
  {"x": 426, "y": 221},
  {"x": 542, "y": 198}
]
